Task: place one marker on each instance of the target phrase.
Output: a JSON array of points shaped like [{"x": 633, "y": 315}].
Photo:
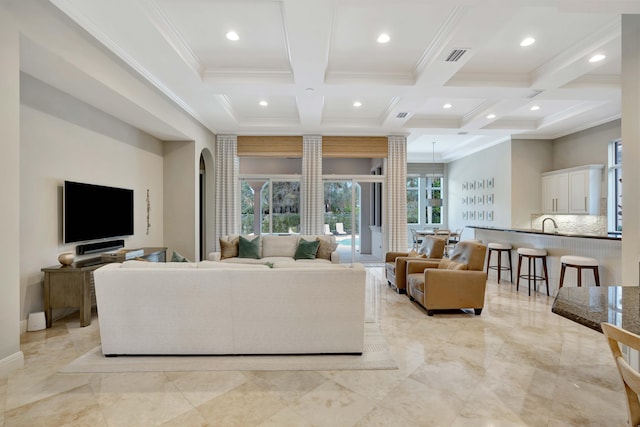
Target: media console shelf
[{"x": 72, "y": 286}]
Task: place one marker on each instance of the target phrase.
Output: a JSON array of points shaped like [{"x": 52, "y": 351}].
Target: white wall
[
  {"x": 64, "y": 139},
  {"x": 494, "y": 162},
  {"x": 10, "y": 355}
]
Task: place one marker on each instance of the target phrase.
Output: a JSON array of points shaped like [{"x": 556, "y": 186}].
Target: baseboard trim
[{"x": 11, "y": 363}]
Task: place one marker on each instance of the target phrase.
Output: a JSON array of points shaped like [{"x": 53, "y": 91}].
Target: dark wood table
[
  {"x": 590, "y": 306},
  {"x": 70, "y": 286}
]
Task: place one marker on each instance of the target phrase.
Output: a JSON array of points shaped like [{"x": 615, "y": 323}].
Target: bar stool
[
  {"x": 499, "y": 248},
  {"x": 580, "y": 263},
  {"x": 532, "y": 255}
]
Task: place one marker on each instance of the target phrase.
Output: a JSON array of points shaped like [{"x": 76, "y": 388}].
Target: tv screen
[{"x": 95, "y": 212}]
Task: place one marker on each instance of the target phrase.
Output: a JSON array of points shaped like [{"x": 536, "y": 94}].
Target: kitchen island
[
  {"x": 618, "y": 305},
  {"x": 606, "y": 248}
]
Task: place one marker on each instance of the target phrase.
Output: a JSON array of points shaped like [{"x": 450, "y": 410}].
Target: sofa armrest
[
  {"x": 214, "y": 256},
  {"x": 419, "y": 265},
  {"x": 445, "y": 289},
  {"x": 335, "y": 257},
  {"x": 391, "y": 256}
]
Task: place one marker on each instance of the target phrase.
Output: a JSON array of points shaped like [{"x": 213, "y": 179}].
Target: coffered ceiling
[{"x": 311, "y": 60}]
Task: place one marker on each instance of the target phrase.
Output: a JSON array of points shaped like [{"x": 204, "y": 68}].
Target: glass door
[{"x": 342, "y": 216}]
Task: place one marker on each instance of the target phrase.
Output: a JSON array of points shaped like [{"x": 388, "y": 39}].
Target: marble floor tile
[{"x": 517, "y": 364}]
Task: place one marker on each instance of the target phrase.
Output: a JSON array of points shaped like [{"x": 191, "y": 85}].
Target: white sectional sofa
[
  {"x": 219, "y": 308},
  {"x": 277, "y": 250}
]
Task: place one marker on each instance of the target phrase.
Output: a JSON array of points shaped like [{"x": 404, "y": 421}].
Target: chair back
[
  {"x": 470, "y": 253},
  {"x": 432, "y": 247},
  {"x": 630, "y": 376}
]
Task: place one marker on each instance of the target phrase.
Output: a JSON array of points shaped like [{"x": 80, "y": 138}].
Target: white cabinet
[
  {"x": 555, "y": 193},
  {"x": 572, "y": 191}
]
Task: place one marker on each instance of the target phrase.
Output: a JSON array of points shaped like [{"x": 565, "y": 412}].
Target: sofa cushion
[
  {"x": 279, "y": 246},
  {"x": 327, "y": 246},
  {"x": 177, "y": 257},
  {"x": 229, "y": 265},
  {"x": 306, "y": 250},
  {"x": 447, "y": 264},
  {"x": 249, "y": 248},
  {"x": 150, "y": 265},
  {"x": 415, "y": 281},
  {"x": 261, "y": 261},
  {"x": 229, "y": 248}
]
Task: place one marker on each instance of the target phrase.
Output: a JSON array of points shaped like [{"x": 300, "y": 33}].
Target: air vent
[
  {"x": 402, "y": 115},
  {"x": 534, "y": 93},
  {"x": 455, "y": 55}
]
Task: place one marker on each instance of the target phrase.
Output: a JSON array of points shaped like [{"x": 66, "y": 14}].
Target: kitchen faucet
[{"x": 555, "y": 225}]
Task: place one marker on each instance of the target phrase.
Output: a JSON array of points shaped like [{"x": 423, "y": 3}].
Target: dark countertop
[
  {"x": 609, "y": 236},
  {"x": 590, "y": 306}
]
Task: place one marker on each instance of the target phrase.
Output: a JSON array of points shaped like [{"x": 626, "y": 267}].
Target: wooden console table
[{"x": 72, "y": 286}]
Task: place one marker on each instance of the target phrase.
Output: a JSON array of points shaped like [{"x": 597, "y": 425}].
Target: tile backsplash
[{"x": 586, "y": 224}]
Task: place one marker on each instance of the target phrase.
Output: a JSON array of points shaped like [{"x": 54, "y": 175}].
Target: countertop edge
[{"x": 539, "y": 232}]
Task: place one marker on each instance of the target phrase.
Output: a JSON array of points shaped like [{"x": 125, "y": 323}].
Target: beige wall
[
  {"x": 10, "y": 355},
  {"x": 588, "y": 147},
  {"x": 64, "y": 139},
  {"x": 529, "y": 157}
]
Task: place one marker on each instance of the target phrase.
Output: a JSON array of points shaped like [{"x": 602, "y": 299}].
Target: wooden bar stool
[
  {"x": 580, "y": 263},
  {"x": 499, "y": 248},
  {"x": 532, "y": 255}
]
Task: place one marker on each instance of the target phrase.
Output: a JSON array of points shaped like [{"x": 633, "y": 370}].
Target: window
[
  {"x": 413, "y": 205},
  {"x": 246, "y": 207},
  {"x": 434, "y": 191},
  {"x": 615, "y": 186},
  {"x": 419, "y": 190},
  {"x": 269, "y": 205}
]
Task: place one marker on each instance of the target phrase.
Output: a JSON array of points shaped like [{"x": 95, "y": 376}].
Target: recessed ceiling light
[
  {"x": 597, "y": 58},
  {"x": 232, "y": 35},
  {"x": 527, "y": 42},
  {"x": 447, "y": 105},
  {"x": 491, "y": 116},
  {"x": 357, "y": 104},
  {"x": 535, "y": 108},
  {"x": 383, "y": 38},
  {"x": 264, "y": 103}
]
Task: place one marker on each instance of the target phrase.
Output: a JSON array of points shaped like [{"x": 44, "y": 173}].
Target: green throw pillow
[
  {"x": 306, "y": 250},
  {"x": 249, "y": 248},
  {"x": 176, "y": 257}
]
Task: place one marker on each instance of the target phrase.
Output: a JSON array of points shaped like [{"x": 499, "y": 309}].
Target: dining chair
[
  {"x": 415, "y": 239},
  {"x": 629, "y": 375}
]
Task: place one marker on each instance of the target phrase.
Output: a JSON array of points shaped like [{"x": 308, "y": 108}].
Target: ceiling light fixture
[
  {"x": 447, "y": 105},
  {"x": 264, "y": 103},
  {"x": 491, "y": 116},
  {"x": 597, "y": 58},
  {"x": 383, "y": 38},
  {"x": 233, "y": 36},
  {"x": 433, "y": 201},
  {"x": 357, "y": 104},
  {"x": 535, "y": 108},
  {"x": 528, "y": 41}
]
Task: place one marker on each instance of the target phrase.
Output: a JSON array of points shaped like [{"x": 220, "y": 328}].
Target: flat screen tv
[{"x": 94, "y": 212}]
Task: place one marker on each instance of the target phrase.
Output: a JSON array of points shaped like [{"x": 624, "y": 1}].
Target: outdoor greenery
[{"x": 286, "y": 206}]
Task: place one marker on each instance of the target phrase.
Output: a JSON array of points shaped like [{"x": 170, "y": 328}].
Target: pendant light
[{"x": 433, "y": 202}]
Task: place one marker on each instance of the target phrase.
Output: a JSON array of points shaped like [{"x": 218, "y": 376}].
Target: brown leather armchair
[
  {"x": 457, "y": 282},
  {"x": 396, "y": 262}
]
